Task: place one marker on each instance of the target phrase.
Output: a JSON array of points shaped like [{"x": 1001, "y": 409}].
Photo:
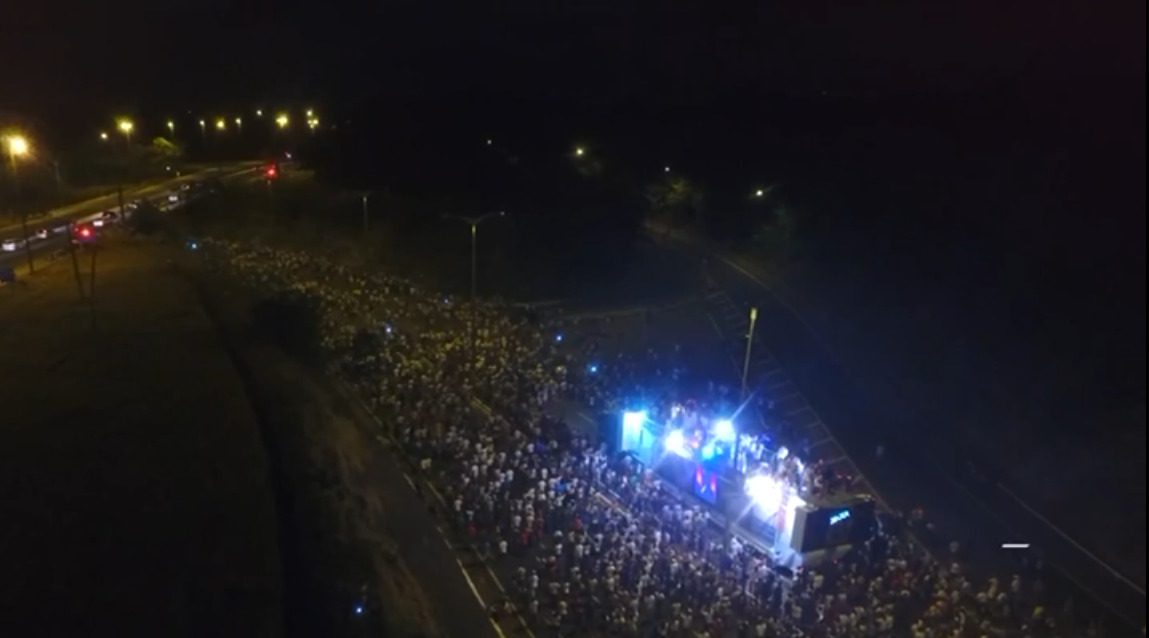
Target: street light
[
  {"x": 474, "y": 222},
  {"x": 310, "y": 113},
  {"x": 18, "y": 147},
  {"x": 239, "y": 122},
  {"x": 221, "y": 124},
  {"x": 749, "y": 345},
  {"x": 259, "y": 112},
  {"x": 171, "y": 127},
  {"x": 759, "y": 193},
  {"x": 103, "y": 136},
  {"x": 126, "y": 127},
  {"x": 313, "y": 123},
  {"x": 580, "y": 151},
  {"x": 202, "y": 126},
  {"x": 282, "y": 120},
  {"x": 665, "y": 169}
]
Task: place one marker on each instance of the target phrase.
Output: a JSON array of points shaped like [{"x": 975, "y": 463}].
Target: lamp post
[
  {"x": 365, "y": 211},
  {"x": 126, "y": 126},
  {"x": 18, "y": 147},
  {"x": 749, "y": 346},
  {"x": 474, "y": 222}
]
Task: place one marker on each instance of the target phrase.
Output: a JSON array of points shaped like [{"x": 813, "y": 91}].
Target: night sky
[{"x": 69, "y": 59}]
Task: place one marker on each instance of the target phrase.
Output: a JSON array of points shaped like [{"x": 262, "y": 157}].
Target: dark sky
[{"x": 72, "y": 57}]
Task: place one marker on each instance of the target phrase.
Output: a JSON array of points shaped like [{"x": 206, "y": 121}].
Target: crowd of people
[{"x": 589, "y": 543}]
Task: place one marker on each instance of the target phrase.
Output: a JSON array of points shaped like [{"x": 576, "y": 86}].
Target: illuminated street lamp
[
  {"x": 171, "y": 127},
  {"x": 282, "y": 120},
  {"x": 749, "y": 346},
  {"x": 239, "y": 122},
  {"x": 126, "y": 127},
  {"x": 221, "y": 124},
  {"x": 759, "y": 193},
  {"x": 665, "y": 169},
  {"x": 310, "y": 113},
  {"x": 18, "y": 147},
  {"x": 580, "y": 151},
  {"x": 202, "y": 126},
  {"x": 259, "y": 112},
  {"x": 313, "y": 123},
  {"x": 103, "y": 136}
]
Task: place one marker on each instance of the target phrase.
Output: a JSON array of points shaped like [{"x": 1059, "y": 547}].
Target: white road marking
[{"x": 475, "y": 591}]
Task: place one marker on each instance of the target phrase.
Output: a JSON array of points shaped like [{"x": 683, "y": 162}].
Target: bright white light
[
  {"x": 759, "y": 193},
  {"x": 632, "y": 421},
  {"x": 665, "y": 169},
  {"x": 724, "y": 430},
  {"x": 359, "y": 610},
  {"x": 593, "y": 368},
  {"x": 765, "y": 492},
  {"x": 783, "y": 452},
  {"x": 676, "y": 443},
  {"x": 559, "y": 338}
]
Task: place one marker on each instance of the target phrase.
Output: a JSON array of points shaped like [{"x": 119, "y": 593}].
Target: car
[{"x": 9, "y": 245}]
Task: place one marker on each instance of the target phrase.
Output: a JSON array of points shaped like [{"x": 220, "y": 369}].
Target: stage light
[
  {"x": 709, "y": 451},
  {"x": 676, "y": 443},
  {"x": 724, "y": 430},
  {"x": 632, "y": 421},
  {"x": 765, "y": 492}
]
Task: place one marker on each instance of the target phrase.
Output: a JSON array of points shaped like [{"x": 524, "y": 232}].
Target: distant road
[{"x": 57, "y": 217}]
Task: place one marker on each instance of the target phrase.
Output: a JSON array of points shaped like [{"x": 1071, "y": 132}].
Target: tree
[
  {"x": 677, "y": 198},
  {"x": 163, "y": 151}
]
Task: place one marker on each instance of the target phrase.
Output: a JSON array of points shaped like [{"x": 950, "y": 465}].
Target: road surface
[{"x": 56, "y": 220}]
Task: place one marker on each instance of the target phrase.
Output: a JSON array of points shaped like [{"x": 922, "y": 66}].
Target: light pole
[
  {"x": 125, "y": 125},
  {"x": 474, "y": 222},
  {"x": 749, "y": 346},
  {"x": 365, "y": 212},
  {"x": 18, "y": 147}
]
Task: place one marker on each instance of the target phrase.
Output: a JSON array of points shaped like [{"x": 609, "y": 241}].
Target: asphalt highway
[{"x": 49, "y": 232}]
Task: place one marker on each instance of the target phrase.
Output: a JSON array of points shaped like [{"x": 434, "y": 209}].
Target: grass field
[{"x": 135, "y": 489}]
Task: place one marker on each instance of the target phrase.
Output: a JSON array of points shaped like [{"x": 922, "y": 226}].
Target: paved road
[
  {"x": 455, "y": 578},
  {"x": 55, "y": 221}
]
